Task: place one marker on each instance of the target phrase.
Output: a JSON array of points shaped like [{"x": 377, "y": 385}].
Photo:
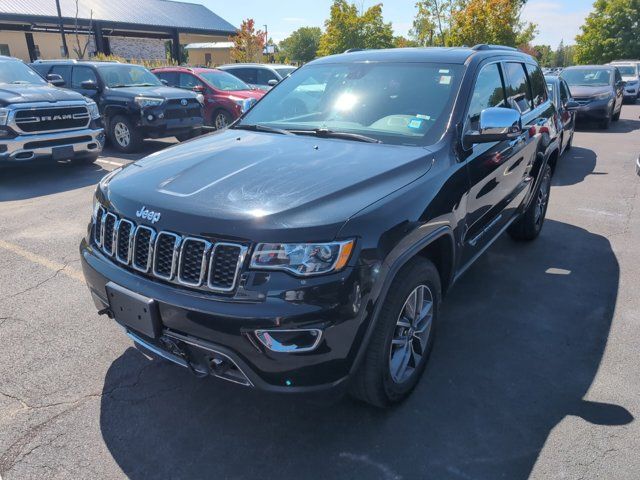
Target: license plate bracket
[
  {"x": 62, "y": 153},
  {"x": 135, "y": 311}
]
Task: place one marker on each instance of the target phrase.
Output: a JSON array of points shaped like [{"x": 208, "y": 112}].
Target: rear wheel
[
  {"x": 123, "y": 134},
  {"x": 403, "y": 337},
  {"x": 529, "y": 225}
]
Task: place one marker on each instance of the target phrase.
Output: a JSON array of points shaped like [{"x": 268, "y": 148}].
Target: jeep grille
[{"x": 184, "y": 260}]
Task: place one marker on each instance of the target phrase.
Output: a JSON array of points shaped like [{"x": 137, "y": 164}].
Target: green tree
[
  {"x": 302, "y": 45},
  {"x": 490, "y": 21},
  {"x": 611, "y": 31},
  {"x": 559, "y": 56},
  {"x": 432, "y": 22},
  {"x": 544, "y": 54},
  {"x": 346, "y": 28},
  {"x": 403, "y": 42}
]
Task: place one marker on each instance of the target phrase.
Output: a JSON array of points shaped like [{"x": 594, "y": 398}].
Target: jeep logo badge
[
  {"x": 147, "y": 214},
  {"x": 183, "y": 102}
]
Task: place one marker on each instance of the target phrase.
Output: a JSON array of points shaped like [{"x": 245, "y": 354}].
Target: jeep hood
[
  {"x": 26, "y": 93},
  {"x": 262, "y": 186}
]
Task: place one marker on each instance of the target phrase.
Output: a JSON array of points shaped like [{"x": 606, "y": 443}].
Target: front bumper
[
  {"x": 206, "y": 324},
  {"x": 631, "y": 92},
  {"x": 85, "y": 143},
  {"x": 155, "y": 124},
  {"x": 594, "y": 110}
]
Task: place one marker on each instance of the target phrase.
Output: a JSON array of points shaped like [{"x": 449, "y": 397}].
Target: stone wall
[{"x": 138, "y": 48}]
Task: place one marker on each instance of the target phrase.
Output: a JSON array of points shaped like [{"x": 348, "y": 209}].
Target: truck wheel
[
  {"x": 401, "y": 342},
  {"x": 123, "y": 134},
  {"x": 220, "y": 119},
  {"x": 529, "y": 225}
]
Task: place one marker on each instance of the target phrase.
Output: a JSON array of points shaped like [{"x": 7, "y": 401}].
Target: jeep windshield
[
  {"x": 397, "y": 103},
  {"x": 16, "y": 73},
  {"x": 121, "y": 75}
]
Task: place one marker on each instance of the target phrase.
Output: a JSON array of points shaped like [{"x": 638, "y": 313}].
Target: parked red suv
[{"x": 226, "y": 97}]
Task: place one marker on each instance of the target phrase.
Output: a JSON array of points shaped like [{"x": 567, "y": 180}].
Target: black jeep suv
[
  {"x": 134, "y": 103},
  {"x": 309, "y": 245},
  {"x": 41, "y": 122}
]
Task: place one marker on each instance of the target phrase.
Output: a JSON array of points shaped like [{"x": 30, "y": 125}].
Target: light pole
[{"x": 61, "y": 24}]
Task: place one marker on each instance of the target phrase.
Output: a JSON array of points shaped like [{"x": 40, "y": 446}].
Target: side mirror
[
  {"x": 89, "y": 85},
  {"x": 164, "y": 82},
  {"x": 199, "y": 89},
  {"x": 571, "y": 105},
  {"x": 273, "y": 82},
  {"x": 55, "y": 80},
  {"x": 496, "y": 124}
]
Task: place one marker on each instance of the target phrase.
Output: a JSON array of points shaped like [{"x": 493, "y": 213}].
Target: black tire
[
  {"x": 605, "y": 123},
  {"x": 374, "y": 381},
  {"x": 529, "y": 225},
  {"x": 123, "y": 135},
  {"x": 616, "y": 116},
  {"x": 221, "y": 119}
]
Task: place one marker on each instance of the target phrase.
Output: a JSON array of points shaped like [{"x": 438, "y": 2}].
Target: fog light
[
  {"x": 150, "y": 118},
  {"x": 288, "y": 341}
]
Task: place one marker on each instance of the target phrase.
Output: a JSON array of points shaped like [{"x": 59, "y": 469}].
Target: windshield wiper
[
  {"x": 326, "y": 133},
  {"x": 256, "y": 127}
]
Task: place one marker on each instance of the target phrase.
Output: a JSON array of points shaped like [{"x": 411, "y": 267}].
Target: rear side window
[
  {"x": 82, "y": 74},
  {"x": 64, "y": 71},
  {"x": 538, "y": 87},
  {"x": 170, "y": 77},
  {"x": 564, "y": 92},
  {"x": 487, "y": 92},
  {"x": 518, "y": 91}
]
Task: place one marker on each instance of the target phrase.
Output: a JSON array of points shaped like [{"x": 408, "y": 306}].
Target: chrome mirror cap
[{"x": 496, "y": 124}]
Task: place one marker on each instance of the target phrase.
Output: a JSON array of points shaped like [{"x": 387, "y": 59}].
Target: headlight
[
  {"x": 603, "y": 96},
  {"x": 244, "y": 103},
  {"x": 302, "y": 258},
  {"x": 93, "y": 110},
  {"x": 4, "y": 114},
  {"x": 146, "y": 102}
]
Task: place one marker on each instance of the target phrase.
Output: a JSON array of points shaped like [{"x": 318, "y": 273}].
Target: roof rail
[
  {"x": 486, "y": 46},
  {"x": 59, "y": 60},
  {"x": 351, "y": 50}
]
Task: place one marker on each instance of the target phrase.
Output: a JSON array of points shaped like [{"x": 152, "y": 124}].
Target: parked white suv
[{"x": 630, "y": 71}]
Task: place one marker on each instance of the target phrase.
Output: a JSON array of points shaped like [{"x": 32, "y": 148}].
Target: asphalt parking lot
[{"x": 534, "y": 373}]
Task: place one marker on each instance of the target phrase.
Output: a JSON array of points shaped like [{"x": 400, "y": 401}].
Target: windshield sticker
[
  {"x": 445, "y": 79},
  {"x": 415, "y": 123},
  {"x": 443, "y": 70},
  {"x": 423, "y": 117}
]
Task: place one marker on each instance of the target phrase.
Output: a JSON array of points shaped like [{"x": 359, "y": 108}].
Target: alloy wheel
[
  {"x": 543, "y": 198},
  {"x": 411, "y": 334},
  {"x": 122, "y": 134},
  {"x": 220, "y": 121}
]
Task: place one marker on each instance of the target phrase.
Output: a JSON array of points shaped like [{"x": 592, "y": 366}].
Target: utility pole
[
  {"x": 266, "y": 43},
  {"x": 61, "y": 24}
]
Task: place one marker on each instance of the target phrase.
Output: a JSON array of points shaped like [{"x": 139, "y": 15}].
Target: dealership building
[{"x": 132, "y": 29}]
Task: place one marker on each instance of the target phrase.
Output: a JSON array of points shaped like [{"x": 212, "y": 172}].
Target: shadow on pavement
[
  {"x": 521, "y": 340},
  {"x": 574, "y": 166},
  {"x": 624, "y": 125}
]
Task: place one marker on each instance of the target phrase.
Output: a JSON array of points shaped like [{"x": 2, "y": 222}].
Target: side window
[
  {"x": 188, "y": 81},
  {"x": 64, "y": 71},
  {"x": 518, "y": 91},
  {"x": 246, "y": 74},
  {"x": 564, "y": 92},
  {"x": 170, "y": 77},
  {"x": 4, "y": 50},
  {"x": 487, "y": 92},
  {"x": 82, "y": 74},
  {"x": 538, "y": 87},
  {"x": 618, "y": 77},
  {"x": 264, "y": 75}
]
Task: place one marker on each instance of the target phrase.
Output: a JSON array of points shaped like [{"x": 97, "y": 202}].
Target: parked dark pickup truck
[
  {"x": 310, "y": 252},
  {"x": 134, "y": 103},
  {"x": 41, "y": 122}
]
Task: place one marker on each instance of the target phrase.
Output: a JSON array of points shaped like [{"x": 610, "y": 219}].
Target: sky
[{"x": 556, "y": 19}]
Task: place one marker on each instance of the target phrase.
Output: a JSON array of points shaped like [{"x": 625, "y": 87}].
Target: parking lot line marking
[
  {"x": 109, "y": 162},
  {"x": 42, "y": 261}
]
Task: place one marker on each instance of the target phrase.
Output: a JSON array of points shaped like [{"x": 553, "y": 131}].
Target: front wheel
[
  {"x": 529, "y": 225},
  {"x": 123, "y": 134},
  {"x": 403, "y": 337}
]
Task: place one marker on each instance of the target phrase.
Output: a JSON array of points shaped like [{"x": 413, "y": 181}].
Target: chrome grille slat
[
  {"x": 189, "y": 261},
  {"x": 109, "y": 221},
  {"x": 165, "y": 255},
  {"x": 124, "y": 237}
]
